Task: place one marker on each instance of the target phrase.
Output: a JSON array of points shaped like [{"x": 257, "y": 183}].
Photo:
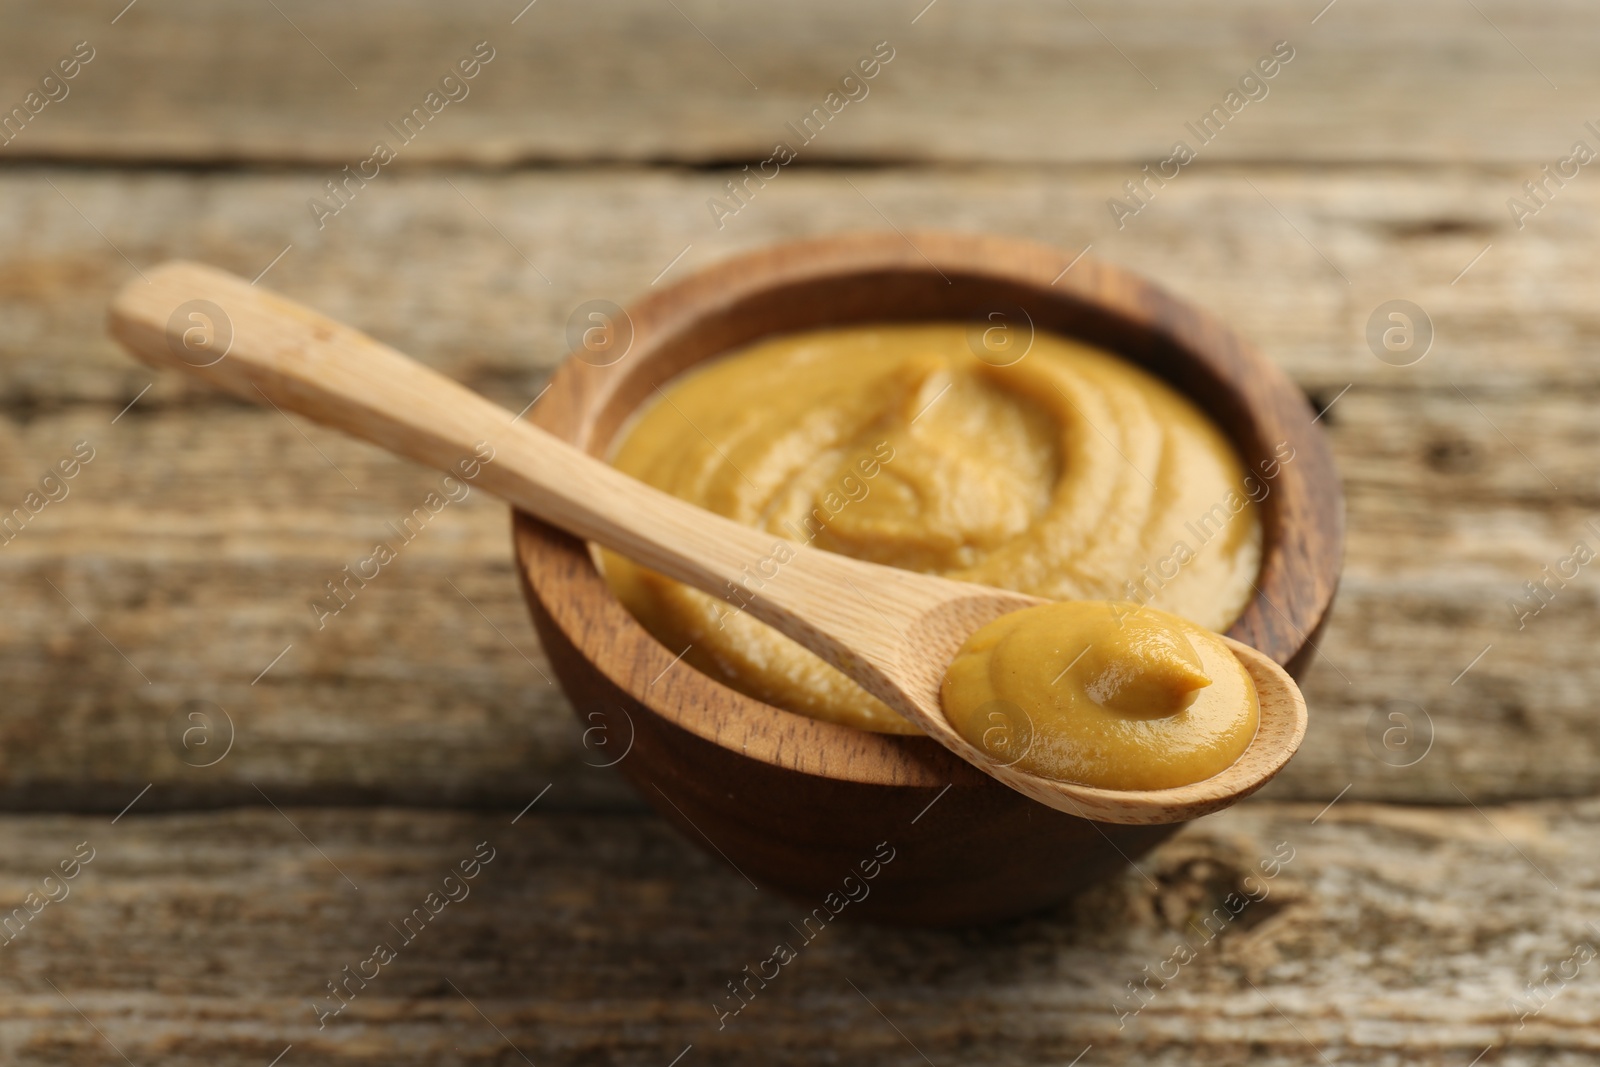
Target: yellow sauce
[
  {"x": 1102, "y": 693},
  {"x": 1067, "y": 473}
]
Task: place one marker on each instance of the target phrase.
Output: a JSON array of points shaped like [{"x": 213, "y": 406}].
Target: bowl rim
[{"x": 561, "y": 579}]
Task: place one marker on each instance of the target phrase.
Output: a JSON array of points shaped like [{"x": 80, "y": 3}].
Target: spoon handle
[{"x": 263, "y": 347}]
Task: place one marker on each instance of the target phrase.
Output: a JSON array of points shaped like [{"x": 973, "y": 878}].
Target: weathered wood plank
[
  {"x": 200, "y": 939},
  {"x": 412, "y": 260},
  {"x": 1022, "y": 80},
  {"x": 199, "y": 533}
]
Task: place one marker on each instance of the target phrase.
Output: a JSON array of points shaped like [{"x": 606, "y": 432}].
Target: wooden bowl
[{"x": 799, "y": 805}]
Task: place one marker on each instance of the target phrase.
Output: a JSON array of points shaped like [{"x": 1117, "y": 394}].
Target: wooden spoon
[{"x": 892, "y": 631}]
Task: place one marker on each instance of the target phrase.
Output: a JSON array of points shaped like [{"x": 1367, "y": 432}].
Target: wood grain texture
[
  {"x": 1389, "y": 936},
  {"x": 1022, "y": 81},
  {"x": 417, "y": 266},
  {"x": 196, "y": 505}
]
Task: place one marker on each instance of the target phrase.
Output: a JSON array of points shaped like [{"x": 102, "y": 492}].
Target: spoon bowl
[{"x": 938, "y": 635}]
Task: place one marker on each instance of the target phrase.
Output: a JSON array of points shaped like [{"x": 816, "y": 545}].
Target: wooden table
[{"x": 1438, "y": 824}]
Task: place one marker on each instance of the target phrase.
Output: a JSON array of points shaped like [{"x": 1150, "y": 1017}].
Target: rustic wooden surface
[
  {"x": 699, "y": 81},
  {"x": 184, "y": 557},
  {"x": 1391, "y": 935}
]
